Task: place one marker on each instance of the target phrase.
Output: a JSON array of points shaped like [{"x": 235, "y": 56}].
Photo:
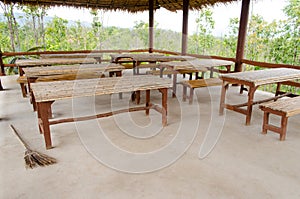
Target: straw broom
[{"x": 33, "y": 158}]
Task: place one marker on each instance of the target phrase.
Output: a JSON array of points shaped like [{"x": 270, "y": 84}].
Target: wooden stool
[
  {"x": 192, "y": 84},
  {"x": 284, "y": 108}
]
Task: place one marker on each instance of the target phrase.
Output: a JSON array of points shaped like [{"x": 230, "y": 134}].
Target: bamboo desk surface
[
  {"x": 45, "y": 93},
  {"x": 200, "y": 65},
  {"x": 73, "y": 55},
  {"x": 51, "y": 91},
  {"x": 254, "y": 79},
  {"x": 150, "y": 57},
  {"x": 70, "y": 69},
  {"x": 54, "y": 61},
  {"x": 261, "y": 77}
]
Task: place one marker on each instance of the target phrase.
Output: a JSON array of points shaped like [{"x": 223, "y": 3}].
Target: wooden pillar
[
  {"x": 151, "y": 25},
  {"x": 2, "y": 72},
  {"x": 185, "y": 26},
  {"x": 242, "y": 35}
]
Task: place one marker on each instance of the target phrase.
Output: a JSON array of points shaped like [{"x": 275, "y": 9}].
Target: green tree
[
  {"x": 56, "y": 35},
  {"x": 285, "y": 48},
  {"x": 141, "y": 30},
  {"x": 8, "y": 10},
  {"x": 203, "y": 37}
]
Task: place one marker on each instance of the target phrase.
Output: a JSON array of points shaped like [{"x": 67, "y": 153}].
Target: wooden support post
[
  {"x": 151, "y": 25},
  {"x": 2, "y": 71},
  {"x": 242, "y": 35},
  {"x": 185, "y": 27},
  {"x": 1, "y": 87}
]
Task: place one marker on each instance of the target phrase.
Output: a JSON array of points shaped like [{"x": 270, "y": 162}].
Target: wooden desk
[
  {"x": 23, "y": 63},
  {"x": 72, "y": 69},
  {"x": 151, "y": 58},
  {"x": 69, "y": 72},
  {"x": 97, "y": 56},
  {"x": 45, "y": 93},
  {"x": 200, "y": 65},
  {"x": 254, "y": 79}
]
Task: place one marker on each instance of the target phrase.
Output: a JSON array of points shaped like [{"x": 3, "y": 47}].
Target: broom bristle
[{"x": 34, "y": 158}]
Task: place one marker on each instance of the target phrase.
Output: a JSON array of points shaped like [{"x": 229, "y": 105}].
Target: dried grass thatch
[{"x": 124, "y": 5}]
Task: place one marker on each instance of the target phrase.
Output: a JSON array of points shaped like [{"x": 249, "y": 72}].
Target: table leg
[
  {"x": 278, "y": 89},
  {"x": 174, "y": 84},
  {"x": 43, "y": 120},
  {"x": 223, "y": 95},
  {"x": 32, "y": 100},
  {"x": 164, "y": 103},
  {"x": 161, "y": 68},
  {"x": 250, "y": 104},
  {"x": 147, "y": 101},
  {"x": 137, "y": 97}
]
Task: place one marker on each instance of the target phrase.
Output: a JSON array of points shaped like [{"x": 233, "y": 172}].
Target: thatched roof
[{"x": 125, "y": 5}]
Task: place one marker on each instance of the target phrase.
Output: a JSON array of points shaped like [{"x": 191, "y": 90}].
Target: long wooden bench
[
  {"x": 198, "y": 83},
  {"x": 284, "y": 108}
]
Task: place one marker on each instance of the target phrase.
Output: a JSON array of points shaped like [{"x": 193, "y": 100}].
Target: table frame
[
  {"x": 227, "y": 79},
  {"x": 44, "y": 111}
]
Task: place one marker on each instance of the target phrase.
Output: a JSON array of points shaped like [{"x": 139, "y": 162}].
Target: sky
[{"x": 268, "y": 9}]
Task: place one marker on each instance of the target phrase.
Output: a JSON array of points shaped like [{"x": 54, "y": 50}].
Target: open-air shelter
[{"x": 243, "y": 164}]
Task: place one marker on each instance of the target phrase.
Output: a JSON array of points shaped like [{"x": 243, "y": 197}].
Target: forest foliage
[{"x": 274, "y": 42}]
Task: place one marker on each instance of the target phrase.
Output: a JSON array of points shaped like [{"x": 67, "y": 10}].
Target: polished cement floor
[{"x": 199, "y": 154}]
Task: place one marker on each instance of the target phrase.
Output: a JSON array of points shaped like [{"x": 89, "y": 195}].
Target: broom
[{"x": 33, "y": 158}]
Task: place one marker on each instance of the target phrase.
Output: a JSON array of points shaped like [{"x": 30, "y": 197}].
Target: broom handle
[{"x": 20, "y": 138}]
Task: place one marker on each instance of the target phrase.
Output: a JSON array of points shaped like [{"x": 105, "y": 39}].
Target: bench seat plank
[{"x": 284, "y": 108}]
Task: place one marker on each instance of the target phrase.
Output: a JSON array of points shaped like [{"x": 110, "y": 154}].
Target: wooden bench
[
  {"x": 157, "y": 72},
  {"x": 198, "y": 83},
  {"x": 284, "y": 108}
]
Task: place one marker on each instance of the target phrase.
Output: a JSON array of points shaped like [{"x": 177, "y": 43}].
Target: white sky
[{"x": 269, "y": 9}]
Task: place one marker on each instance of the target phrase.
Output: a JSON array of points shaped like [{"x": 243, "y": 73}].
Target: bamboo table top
[
  {"x": 54, "y": 61},
  {"x": 73, "y": 55},
  {"x": 51, "y": 91},
  {"x": 198, "y": 64},
  {"x": 261, "y": 77},
  {"x": 150, "y": 57},
  {"x": 70, "y": 69}
]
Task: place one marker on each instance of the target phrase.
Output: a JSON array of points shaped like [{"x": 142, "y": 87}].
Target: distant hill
[{"x": 21, "y": 19}]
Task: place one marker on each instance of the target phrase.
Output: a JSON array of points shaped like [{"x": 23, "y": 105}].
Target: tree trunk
[{"x": 15, "y": 28}]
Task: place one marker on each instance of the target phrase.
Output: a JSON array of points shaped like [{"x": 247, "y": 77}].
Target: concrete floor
[{"x": 152, "y": 162}]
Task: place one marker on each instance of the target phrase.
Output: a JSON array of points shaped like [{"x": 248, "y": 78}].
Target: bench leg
[
  {"x": 191, "y": 96},
  {"x": 265, "y": 122},
  {"x": 184, "y": 89},
  {"x": 282, "y": 133}
]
